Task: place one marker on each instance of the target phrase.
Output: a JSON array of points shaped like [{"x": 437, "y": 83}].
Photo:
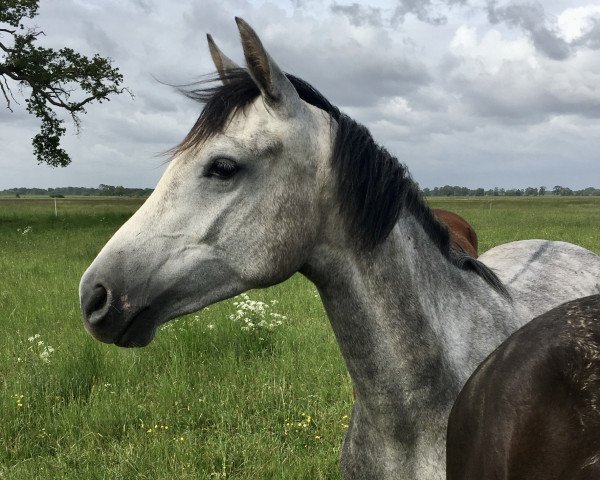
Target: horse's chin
[{"x": 140, "y": 330}]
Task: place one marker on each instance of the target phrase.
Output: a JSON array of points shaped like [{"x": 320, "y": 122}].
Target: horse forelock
[
  {"x": 373, "y": 187},
  {"x": 221, "y": 102}
]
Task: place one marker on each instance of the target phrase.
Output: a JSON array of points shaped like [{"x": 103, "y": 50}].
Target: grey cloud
[
  {"x": 159, "y": 97},
  {"x": 215, "y": 16},
  {"x": 99, "y": 41},
  {"x": 425, "y": 10},
  {"x": 532, "y": 18},
  {"x": 454, "y": 119},
  {"x": 518, "y": 94},
  {"x": 18, "y": 114},
  {"x": 372, "y": 73},
  {"x": 358, "y": 14},
  {"x": 542, "y": 29},
  {"x": 591, "y": 38},
  {"x": 300, "y": 3},
  {"x": 144, "y": 5}
]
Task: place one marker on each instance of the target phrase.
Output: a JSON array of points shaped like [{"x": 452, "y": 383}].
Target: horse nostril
[{"x": 96, "y": 304}]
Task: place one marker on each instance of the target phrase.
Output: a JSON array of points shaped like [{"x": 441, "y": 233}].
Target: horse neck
[{"x": 410, "y": 325}]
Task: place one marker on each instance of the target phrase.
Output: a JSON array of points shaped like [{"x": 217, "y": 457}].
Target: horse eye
[{"x": 222, "y": 169}]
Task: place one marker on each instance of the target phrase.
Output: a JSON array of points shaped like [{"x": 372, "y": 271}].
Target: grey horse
[{"x": 272, "y": 180}]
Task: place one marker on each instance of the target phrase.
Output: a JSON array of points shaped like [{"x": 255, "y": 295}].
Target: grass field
[{"x": 206, "y": 399}]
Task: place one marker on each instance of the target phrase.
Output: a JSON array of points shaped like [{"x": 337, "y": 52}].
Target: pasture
[{"x": 212, "y": 396}]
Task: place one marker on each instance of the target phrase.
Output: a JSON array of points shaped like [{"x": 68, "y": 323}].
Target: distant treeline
[
  {"x": 455, "y": 191},
  {"x": 445, "y": 191},
  {"x": 102, "y": 190}
]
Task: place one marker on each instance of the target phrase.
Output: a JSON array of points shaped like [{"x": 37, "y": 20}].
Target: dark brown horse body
[
  {"x": 531, "y": 410},
  {"x": 461, "y": 232}
]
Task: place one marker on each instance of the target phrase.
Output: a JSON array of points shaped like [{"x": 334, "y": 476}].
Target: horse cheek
[{"x": 279, "y": 243}]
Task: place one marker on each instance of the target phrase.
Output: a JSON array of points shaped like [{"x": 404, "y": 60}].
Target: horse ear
[
  {"x": 274, "y": 85},
  {"x": 223, "y": 63}
]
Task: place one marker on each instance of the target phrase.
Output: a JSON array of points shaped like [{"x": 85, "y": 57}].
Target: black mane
[{"x": 372, "y": 186}]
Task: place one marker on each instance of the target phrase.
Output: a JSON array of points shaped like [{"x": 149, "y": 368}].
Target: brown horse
[
  {"x": 462, "y": 234},
  {"x": 531, "y": 410}
]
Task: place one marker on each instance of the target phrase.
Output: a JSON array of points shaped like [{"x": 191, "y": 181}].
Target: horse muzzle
[{"x": 111, "y": 317}]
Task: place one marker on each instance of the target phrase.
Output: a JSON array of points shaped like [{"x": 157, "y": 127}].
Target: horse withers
[
  {"x": 273, "y": 179},
  {"x": 531, "y": 410}
]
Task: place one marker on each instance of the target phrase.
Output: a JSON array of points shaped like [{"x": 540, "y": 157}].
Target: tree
[
  {"x": 57, "y": 79},
  {"x": 542, "y": 191},
  {"x": 531, "y": 191}
]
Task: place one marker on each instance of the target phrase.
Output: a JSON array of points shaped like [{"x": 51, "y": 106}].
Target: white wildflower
[
  {"x": 39, "y": 348},
  {"x": 254, "y": 315}
]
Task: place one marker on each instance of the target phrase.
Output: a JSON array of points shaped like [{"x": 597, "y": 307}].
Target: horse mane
[{"x": 373, "y": 187}]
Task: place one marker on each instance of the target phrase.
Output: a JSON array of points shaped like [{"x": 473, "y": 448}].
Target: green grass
[
  {"x": 500, "y": 220},
  {"x": 200, "y": 401}
]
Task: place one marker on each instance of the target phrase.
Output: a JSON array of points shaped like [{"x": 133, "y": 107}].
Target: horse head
[{"x": 237, "y": 208}]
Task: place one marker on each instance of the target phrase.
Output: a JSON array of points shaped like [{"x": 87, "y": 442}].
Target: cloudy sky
[{"x": 465, "y": 92}]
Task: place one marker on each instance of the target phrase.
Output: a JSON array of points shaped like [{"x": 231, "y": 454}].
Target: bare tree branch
[
  {"x": 6, "y": 96},
  {"x": 5, "y": 48},
  {"x": 7, "y": 88}
]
